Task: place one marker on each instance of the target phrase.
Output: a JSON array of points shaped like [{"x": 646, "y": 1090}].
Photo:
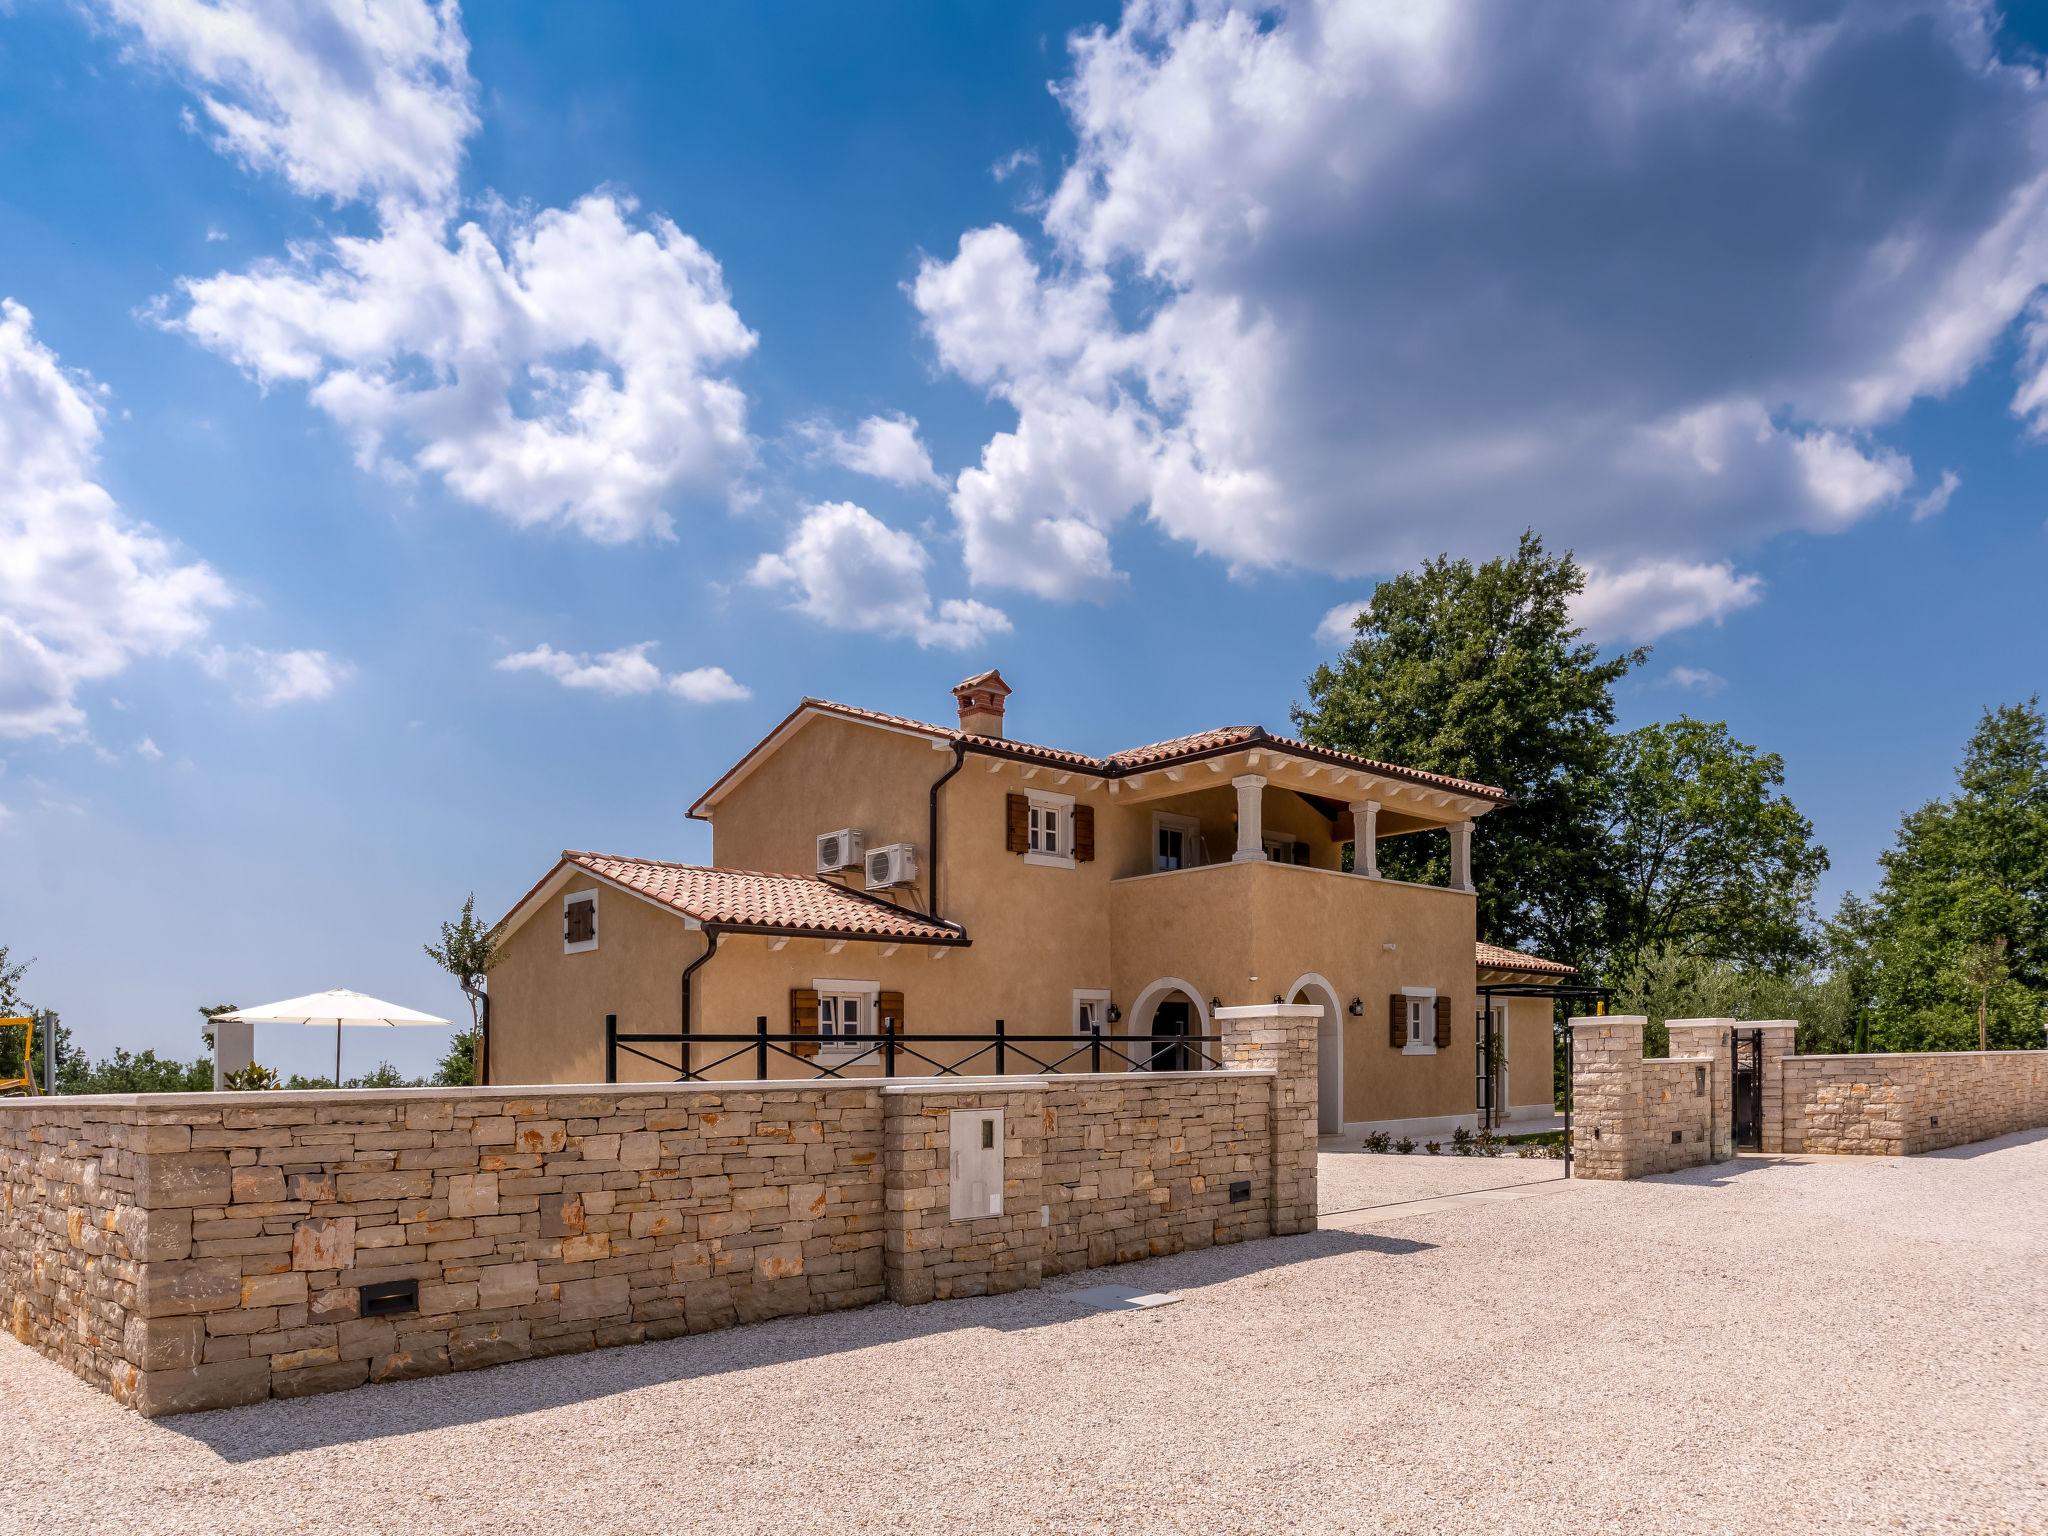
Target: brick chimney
[{"x": 981, "y": 703}]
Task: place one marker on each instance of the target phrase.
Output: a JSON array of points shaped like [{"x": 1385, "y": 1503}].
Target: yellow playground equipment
[{"x": 15, "y": 1087}]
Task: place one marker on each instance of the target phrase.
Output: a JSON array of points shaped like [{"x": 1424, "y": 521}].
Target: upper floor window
[
  {"x": 579, "y": 922},
  {"x": 1052, "y": 829},
  {"x": 1047, "y": 828},
  {"x": 1176, "y": 841}
]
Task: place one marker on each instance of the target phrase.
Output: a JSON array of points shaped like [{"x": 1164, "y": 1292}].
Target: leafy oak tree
[
  {"x": 1712, "y": 864},
  {"x": 1960, "y": 920},
  {"x": 1479, "y": 671}
]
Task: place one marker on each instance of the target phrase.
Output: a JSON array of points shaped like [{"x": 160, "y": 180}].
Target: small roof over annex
[
  {"x": 1516, "y": 962},
  {"x": 744, "y": 901}
]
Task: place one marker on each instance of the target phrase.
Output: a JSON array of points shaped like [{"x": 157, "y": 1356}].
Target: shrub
[
  {"x": 1405, "y": 1145},
  {"x": 1461, "y": 1141},
  {"x": 1432, "y": 1147},
  {"x": 254, "y": 1078},
  {"x": 1378, "y": 1141}
]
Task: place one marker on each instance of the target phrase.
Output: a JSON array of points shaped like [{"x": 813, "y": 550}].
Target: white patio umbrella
[{"x": 337, "y": 1007}]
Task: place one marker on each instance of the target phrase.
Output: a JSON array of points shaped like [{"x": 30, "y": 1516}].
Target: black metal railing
[{"x": 893, "y": 1051}]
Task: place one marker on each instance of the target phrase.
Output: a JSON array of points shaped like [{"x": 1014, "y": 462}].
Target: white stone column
[
  {"x": 1251, "y": 789},
  {"x": 1365, "y": 838},
  {"x": 1461, "y": 856},
  {"x": 234, "y": 1047}
]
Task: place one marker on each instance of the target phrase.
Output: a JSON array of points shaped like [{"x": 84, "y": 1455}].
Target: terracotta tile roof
[
  {"x": 1181, "y": 746},
  {"x": 1117, "y": 764},
  {"x": 1492, "y": 957},
  {"x": 751, "y": 900}
]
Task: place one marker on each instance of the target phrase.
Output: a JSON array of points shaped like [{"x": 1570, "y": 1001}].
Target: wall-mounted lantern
[
  {"x": 1116, "y": 1014},
  {"x": 1357, "y": 1008}
]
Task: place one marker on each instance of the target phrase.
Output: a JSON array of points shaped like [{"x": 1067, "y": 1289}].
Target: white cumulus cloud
[
  {"x": 885, "y": 447},
  {"x": 1696, "y": 679},
  {"x": 851, "y": 571},
  {"x": 1935, "y": 500},
  {"x": 628, "y": 671},
  {"x": 346, "y": 99},
  {"x": 561, "y": 367},
  {"x": 1311, "y": 293},
  {"x": 562, "y": 371},
  {"x": 1337, "y": 628},
  {"x": 84, "y": 588},
  {"x": 1655, "y": 597},
  {"x": 267, "y": 679}
]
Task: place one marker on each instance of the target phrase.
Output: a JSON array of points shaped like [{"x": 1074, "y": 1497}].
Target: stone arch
[{"x": 1139, "y": 1020}]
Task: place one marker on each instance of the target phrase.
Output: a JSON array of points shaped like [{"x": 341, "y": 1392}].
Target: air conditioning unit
[
  {"x": 843, "y": 849},
  {"x": 892, "y": 864}
]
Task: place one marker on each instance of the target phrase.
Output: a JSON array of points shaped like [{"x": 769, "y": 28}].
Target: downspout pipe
[
  {"x": 712, "y": 934},
  {"x": 959, "y": 760}
]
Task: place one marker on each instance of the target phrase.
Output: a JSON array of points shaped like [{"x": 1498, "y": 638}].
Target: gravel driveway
[
  {"x": 1351, "y": 1180},
  {"x": 1812, "y": 1346}
]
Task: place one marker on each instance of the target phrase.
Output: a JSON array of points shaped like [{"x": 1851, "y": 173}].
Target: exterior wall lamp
[
  {"x": 1357, "y": 1008},
  {"x": 1116, "y": 1014}
]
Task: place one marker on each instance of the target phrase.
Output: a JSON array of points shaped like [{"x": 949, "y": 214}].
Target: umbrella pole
[{"x": 337, "y": 1053}]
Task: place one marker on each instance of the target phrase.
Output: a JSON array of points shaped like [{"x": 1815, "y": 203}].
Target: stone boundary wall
[
  {"x": 197, "y": 1251},
  {"x": 1897, "y": 1105},
  {"x": 1632, "y": 1118}
]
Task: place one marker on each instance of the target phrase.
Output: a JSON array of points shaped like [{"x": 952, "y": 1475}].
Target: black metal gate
[{"x": 1748, "y": 1078}]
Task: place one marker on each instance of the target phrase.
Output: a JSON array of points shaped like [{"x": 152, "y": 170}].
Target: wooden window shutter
[
  {"x": 1084, "y": 834},
  {"x": 803, "y": 1020},
  {"x": 1397, "y": 1020},
  {"x": 888, "y": 1005},
  {"x": 579, "y": 922},
  {"x": 1443, "y": 1023},
  {"x": 1017, "y": 823}
]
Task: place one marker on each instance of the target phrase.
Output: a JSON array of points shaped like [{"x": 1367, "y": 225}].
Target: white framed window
[
  {"x": 846, "y": 1012},
  {"x": 1421, "y": 1005},
  {"x": 1049, "y": 830},
  {"x": 1278, "y": 847},
  {"x": 1091, "y": 1010},
  {"x": 579, "y": 922},
  {"x": 1176, "y": 841}
]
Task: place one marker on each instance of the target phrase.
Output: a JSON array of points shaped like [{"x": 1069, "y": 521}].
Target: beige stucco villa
[{"x": 873, "y": 871}]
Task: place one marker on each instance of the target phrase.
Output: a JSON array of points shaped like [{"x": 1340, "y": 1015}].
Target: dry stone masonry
[
  {"x": 1633, "y": 1118},
  {"x": 196, "y": 1251},
  {"x": 1893, "y": 1106}
]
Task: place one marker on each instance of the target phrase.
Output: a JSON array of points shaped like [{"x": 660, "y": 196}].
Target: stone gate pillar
[
  {"x": 1607, "y": 1096},
  {"x": 1281, "y": 1037},
  {"x": 1710, "y": 1037}
]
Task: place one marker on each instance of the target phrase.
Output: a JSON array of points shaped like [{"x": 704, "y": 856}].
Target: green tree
[
  {"x": 1479, "y": 671},
  {"x": 1965, "y": 874},
  {"x": 1849, "y": 950},
  {"x": 1711, "y": 862},
  {"x": 11, "y": 1004},
  {"x": 467, "y": 951},
  {"x": 145, "y": 1072}
]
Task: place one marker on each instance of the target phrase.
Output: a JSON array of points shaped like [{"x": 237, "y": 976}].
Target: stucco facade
[{"x": 1037, "y": 933}]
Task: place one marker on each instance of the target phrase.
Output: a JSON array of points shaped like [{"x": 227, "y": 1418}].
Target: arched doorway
[
  {"x": 1174, "y": 1009},
  {"x": 1329, "y": 1051}
]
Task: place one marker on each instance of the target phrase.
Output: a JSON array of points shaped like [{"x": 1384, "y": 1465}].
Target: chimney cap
[{"x": 990, "y": 681}]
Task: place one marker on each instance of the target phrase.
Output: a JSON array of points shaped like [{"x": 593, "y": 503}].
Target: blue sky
[{"x": 435, "y": 439}]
